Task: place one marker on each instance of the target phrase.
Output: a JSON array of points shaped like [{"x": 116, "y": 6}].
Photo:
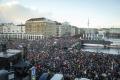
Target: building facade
[
  {"x": 65, "y": 29},
  {"x": 37, "y": 28},
  {"x": 41, "y": 26},
  {"x": 90, "y": 33},
  {"x": 101, "y": 33},
  {"x": 9, "y": 30},
  {"x": 114, "y": 33}
]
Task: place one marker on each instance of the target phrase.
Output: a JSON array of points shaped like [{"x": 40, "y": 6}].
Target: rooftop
[
  {"x": 9, "y": 53},
  {"x": 38, "y": 19},
  {"x": 58, "y": 23}
]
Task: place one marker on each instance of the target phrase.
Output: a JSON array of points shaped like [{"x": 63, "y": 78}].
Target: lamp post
[
  {"x": 3, "y": 45},
  {"x": 118, "y": 49},
  {"x": 24, "y": 52}
]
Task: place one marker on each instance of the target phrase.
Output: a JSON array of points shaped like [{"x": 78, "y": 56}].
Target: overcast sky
[{"x": 101, "y": 13}]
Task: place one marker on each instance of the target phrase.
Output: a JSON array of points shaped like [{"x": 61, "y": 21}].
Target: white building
[
  {"x": 65, "y": 29},
  {"x": 90, "y": 33},
  {"x": 114, "y": 32},
  {"x": 9, "y": 30},
  {"x": 73, "y": 32},
  {"x": 101, "y": 34}
]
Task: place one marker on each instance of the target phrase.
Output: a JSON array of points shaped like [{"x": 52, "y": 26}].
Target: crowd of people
[{"x": 56, "y": 55}]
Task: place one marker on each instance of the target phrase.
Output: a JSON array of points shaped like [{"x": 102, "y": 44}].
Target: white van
[
  {"x": 57, "y": 77},
  {"x": 81, "y": 79}
]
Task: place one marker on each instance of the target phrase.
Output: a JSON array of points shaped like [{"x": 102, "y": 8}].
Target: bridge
[
  {"x": 91, "y": 40},
  {"x": 80, "y": 43},
  {"x": 103, "y": 42}
]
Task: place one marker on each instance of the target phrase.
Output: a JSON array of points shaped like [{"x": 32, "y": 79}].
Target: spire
[{"x": 88, "y": 23}]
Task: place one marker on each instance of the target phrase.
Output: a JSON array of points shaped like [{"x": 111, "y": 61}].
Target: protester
[{"x": 56, "y": 55}]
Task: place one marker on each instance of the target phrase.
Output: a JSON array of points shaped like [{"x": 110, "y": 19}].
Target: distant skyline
[{"x": 101, "y": 13}]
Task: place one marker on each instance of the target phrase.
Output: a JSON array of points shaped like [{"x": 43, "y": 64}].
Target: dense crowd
[{"x": 56, "y": 55}]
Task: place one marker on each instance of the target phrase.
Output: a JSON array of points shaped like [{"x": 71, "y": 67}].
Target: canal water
[{"x": 99, "y": 48}]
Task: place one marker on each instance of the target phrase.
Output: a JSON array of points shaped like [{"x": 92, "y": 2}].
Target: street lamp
[
  {"x": 24, "y": 52},
  {"x": 3, "y": 43},
  {"x": 118, "y": 49}
]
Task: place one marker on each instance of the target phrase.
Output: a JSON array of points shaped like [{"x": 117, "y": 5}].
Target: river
[{"x": 99, "y": 48}]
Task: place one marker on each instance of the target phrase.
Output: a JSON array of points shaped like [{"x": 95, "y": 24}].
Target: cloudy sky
[{"x": 101, "y": 13}]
